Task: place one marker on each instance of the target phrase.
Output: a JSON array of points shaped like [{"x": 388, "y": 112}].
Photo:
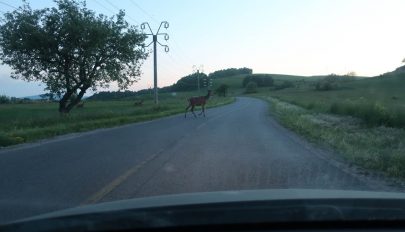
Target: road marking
[
  {"x": 96, "y": 197},
  {"x": 99, "y": 195}
]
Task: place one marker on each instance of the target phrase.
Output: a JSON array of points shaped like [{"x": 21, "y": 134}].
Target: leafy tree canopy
[
  {"x": 262, "y": 80},
  {"x": 70, "y": 49},
  {"x": 113, "y": 95},
  {"x": 222, "y": 90},
  {"x": 190, "y": 82},
  {"x": 230, "y": 72}
]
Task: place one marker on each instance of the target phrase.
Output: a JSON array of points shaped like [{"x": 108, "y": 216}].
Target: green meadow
[{"x": 21, "y": 123}]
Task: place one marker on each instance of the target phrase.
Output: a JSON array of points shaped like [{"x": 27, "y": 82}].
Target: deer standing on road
[{"x": 198, "y": 101}]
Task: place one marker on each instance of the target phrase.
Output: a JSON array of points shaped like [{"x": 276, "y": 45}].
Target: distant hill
[
  {"x": 40, "y": 97},
  {"x": 112, "y": 95},
  {"x": 34, "y": 97},
  {"x": 399, "y": 70}
]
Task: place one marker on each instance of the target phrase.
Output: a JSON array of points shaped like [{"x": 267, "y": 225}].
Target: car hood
[{"x": 223, "y": 197}]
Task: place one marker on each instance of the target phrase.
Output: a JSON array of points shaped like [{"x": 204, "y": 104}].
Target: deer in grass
[
  {"x": 138, "y": 103},
  {"x": 197, "y": 101},
  {"x": 80, "y": 105}
]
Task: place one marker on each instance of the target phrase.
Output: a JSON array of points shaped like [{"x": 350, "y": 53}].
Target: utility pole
[
  {"x": 155, "y": 41},
  {"x": 208, "y": 82},
  {"x": 198, "y": 70}
]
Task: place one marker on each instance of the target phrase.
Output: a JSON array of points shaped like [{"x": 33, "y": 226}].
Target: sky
[{"x": 300, "y": 37}]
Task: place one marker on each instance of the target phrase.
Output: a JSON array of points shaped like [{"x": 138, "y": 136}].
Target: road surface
[{"x": 238, "y": 146}]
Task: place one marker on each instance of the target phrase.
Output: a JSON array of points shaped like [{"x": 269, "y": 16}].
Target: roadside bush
[
  {"x": 261, "y": 80},
  {"x": 4, "y": 99},
  {"x": 251, "y": 87},
  {"x": 325, "y": 85},
  {"x": 328, "y": 83},
  {"x": 284, "y": 85},
  {"x": 372, "y": 114},
  {"x": 310, "y": 106},
  {"x": 222, "y": 90},
  {"x": 6, "y": 140},
  {"x": 230, "y": 72}
]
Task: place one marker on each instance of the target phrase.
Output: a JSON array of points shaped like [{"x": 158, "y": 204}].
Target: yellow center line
[
  {"x": 99, "y": 195},
  {"x": 96, "y": 197}
]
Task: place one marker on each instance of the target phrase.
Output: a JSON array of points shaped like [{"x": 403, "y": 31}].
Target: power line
[
  {"x": 143, "y": 11},
  {"x": 174, "y": 60},
  {"x": 106, "y": 8},
  {"x": 188, "y": 60},
  {"x": 180, "y": 66},
  {"x": 6, "y": 4},
  {"x": 109, "y": 2}
]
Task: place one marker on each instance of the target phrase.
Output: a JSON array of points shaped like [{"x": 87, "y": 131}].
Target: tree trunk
[
  {"x": 66, "y": 104},
  {"x": 63, "y": 102},
  {"x": 73, "y": 103},
  {"x": 62, "y": 108}
]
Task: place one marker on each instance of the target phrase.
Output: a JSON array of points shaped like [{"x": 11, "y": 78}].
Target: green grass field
[
  {"x": 377, "y": 101},
  {"x": 362, "y": 120},
  {"x": 29, "y": 122}
]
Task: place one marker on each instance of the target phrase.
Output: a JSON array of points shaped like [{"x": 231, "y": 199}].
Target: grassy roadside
[
  {"x": 378, "y": 101},
  {"x": 376, "y": 148},
  {"x": 21, "y": 123}
]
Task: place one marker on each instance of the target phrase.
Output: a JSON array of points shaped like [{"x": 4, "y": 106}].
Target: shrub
[
  {"x": 260, "y": 80},
  {"x": 373, "y": 114},
  {"x": 251, "y": 87},
  {"x": 6, "y": 140},
  {"x": 4, "y": 99},
  {"x": 222, "y": 90},
  {"x": 230, "y": 72},
  {"x": 328, "y": 83},
  {"x": 284, "y": 85},
  {"x": 310, "y": 106}
]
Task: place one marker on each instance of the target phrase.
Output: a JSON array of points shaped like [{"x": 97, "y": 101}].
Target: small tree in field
[
  {"x": 351, "y": 74},
  {"x": 251, "y": 87},
  {"x": 222, "y": 90},
  {"x": 403, "y": 61},
  {"x": 70, "y": 49}
]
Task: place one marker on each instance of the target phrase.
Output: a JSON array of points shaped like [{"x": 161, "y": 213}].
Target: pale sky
[{"x": 302, "y": 37}]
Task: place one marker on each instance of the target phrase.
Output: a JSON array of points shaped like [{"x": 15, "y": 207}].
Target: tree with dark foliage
[
  {"x": 230, "y": 72},
  {"x": 70, "y": 49},
  {"x": 262, "y": 80},
  {"x": 189, "y": 83},
  {"x": 222, "y": 90}
]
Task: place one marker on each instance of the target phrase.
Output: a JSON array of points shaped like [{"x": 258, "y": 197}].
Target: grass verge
[
  {"x": 376, "y": 148},
  {"x": 30, "y": 122}
]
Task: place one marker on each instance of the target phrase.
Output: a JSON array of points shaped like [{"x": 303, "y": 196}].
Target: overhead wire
[
  {"x": 143, "y": 11},
  {"x": 114, "y": 6},
  {"x": 7, "y": 4},
  {"x": 106, "y": 8},
  {"x": 167, "y": 68},
  {"x": 156, "y": 21}
]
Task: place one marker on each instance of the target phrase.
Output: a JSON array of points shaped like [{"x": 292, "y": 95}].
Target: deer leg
[
  {"x": 203, "y": 110},
  {"x": 192, "y": 110},
  {"x": 185, "y": 114}
]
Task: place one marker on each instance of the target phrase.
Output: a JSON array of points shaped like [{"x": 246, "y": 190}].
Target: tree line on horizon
[{"x": 186, "y": 83}]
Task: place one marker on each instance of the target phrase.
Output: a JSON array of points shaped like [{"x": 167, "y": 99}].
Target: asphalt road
[{"x": 238, "y": 146}]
